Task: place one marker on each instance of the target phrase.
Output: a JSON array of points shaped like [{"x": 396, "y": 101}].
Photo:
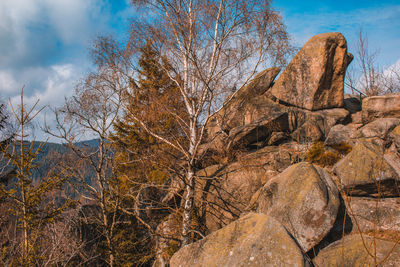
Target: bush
[
  {"x": 317, "y": 153},
  {"x": 343, "y": 148}
]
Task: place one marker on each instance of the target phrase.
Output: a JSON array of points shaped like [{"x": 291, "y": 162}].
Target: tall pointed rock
[{"x": 314, "y": 79}]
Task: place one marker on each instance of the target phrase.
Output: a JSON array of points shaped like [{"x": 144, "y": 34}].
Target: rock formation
[
  {"x": 304, "y": 199},
  {"x": 357, "y": 251},
  {"x": 386, "y": 106},
  {"x": 253, "y": 240},
  {"x": 258, "y": 202},
  {"x": 314, "y": 78}
]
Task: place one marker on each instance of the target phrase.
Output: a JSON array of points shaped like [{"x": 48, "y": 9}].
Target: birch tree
[
  {"x": 91, "y": 113},
  {"x": 212, "y": 48}
]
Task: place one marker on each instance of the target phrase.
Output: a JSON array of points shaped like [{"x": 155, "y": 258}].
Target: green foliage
[
  {"x": 30, "y": 202},
  {"x": 140, "y": 158},
  {"x": 139, "y": 155}
]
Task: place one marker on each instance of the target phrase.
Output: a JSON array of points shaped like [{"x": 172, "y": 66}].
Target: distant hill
[{"x": 50, "y": 153}]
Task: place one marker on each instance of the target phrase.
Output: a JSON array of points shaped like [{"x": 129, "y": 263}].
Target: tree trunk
[{"x": 188, "y": 207}]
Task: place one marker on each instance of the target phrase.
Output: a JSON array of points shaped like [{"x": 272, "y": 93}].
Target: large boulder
[
  {"x": 374, "y": 214},
  {"x": 304, "y": 199},
  {"x": 368, "y": 171},
  {"x": 355, "y": 250},
  {"x": 253, "y": 240},
  {"x": 385, "y": 106},
  {"x": 340, "y": 134},
  {"x": 258, "y": 132},
  {"x": 314, "y": 126},
  {"x": 314, "y": 79},
  {"x": 232, "y": 113},
  {"x": 253, "y": 120},
  {"x": 224, "y": 192},
  {"x": 378, "y": 128}
]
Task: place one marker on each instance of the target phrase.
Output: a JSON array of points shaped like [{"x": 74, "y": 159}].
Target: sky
[{"x": 44, "y": 44}]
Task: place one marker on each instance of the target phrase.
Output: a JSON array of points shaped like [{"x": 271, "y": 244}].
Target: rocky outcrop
[
  {"x": 260, "y": 139},
  {"x": 385, "y": 106},
  {"x": 259, "y": 131},
  {"x": 304, "y": 199},
  {"x": 224, "y": 191},
  {"x": 366, "y": 171},
  {"x": 254, "y": 240},
  {"x": 253, "y": 121},
  {"x": 314, "y": 78},
  {"x": 356, "y": 251}
]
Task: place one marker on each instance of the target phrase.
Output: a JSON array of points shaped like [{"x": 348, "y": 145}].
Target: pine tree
[
  {"x": 142, "y": 160},
  {"x": 29, "y": 200},
  {"x": 140, "y": 157}
]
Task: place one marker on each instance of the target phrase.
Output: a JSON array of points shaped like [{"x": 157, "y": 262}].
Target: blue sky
[
  {"x": 44, "y": 43},
  {"x": 379, "y": 19}
]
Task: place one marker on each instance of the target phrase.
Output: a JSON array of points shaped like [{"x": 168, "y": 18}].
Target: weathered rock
[
  {"x": 232, "y": 113},
  {"x": 253, "y": 240},
  {"x": 374, "y": 214},
  {"x": 258, "y": 131},
  {"x": 366, "y": 172},
  {"x": 304, "y": 199},
  {"x": 352, "y": 103},
  {"x": 166, "y": 244},
  {"x": 314, "y": 126},
  {"x": 341, "y": 134},
  {"x": 277, "y": 137},
  {"x": 314, "y": 78},
  {"x": 394, "y": 138},
  {"x": 356, "y": 117},
  {"x": 253, "y": 120},
  {"x": 308, "y": 132},
  {"x": 257, "y": 86},
  {"x": 224, "y": 191},
  {"x": 378, "y": 128},
  {"x": 385, "y": 106},
  {"x": 352, "y": 251}
]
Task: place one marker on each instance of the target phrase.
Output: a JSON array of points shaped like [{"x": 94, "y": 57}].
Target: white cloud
[
  {"x": 7, "y": 82},
  {"x": 32, "y": 31},
  {"x": 44, "y": 46},
  {"x": 57, "y": 82}
]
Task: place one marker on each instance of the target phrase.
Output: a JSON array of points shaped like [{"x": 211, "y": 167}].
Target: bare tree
[
  {"x": 29, "y": 199},
  {"x": 390, "y": 79},
  {"x": 367, "y": 76},
  {"x": 91, "y": 113},
  {"x": 7, "y": 132},
  {"x": 208, "y": 49},
  {"x": 370, "y": 75}
]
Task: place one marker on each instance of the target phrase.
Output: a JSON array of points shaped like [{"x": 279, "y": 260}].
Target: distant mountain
[
  {"x": 51, "y": 153},
  {"x": 89, "y": 143}
]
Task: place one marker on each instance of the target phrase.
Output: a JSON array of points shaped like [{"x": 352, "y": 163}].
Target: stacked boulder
[{"x": 263, "y": 204}]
